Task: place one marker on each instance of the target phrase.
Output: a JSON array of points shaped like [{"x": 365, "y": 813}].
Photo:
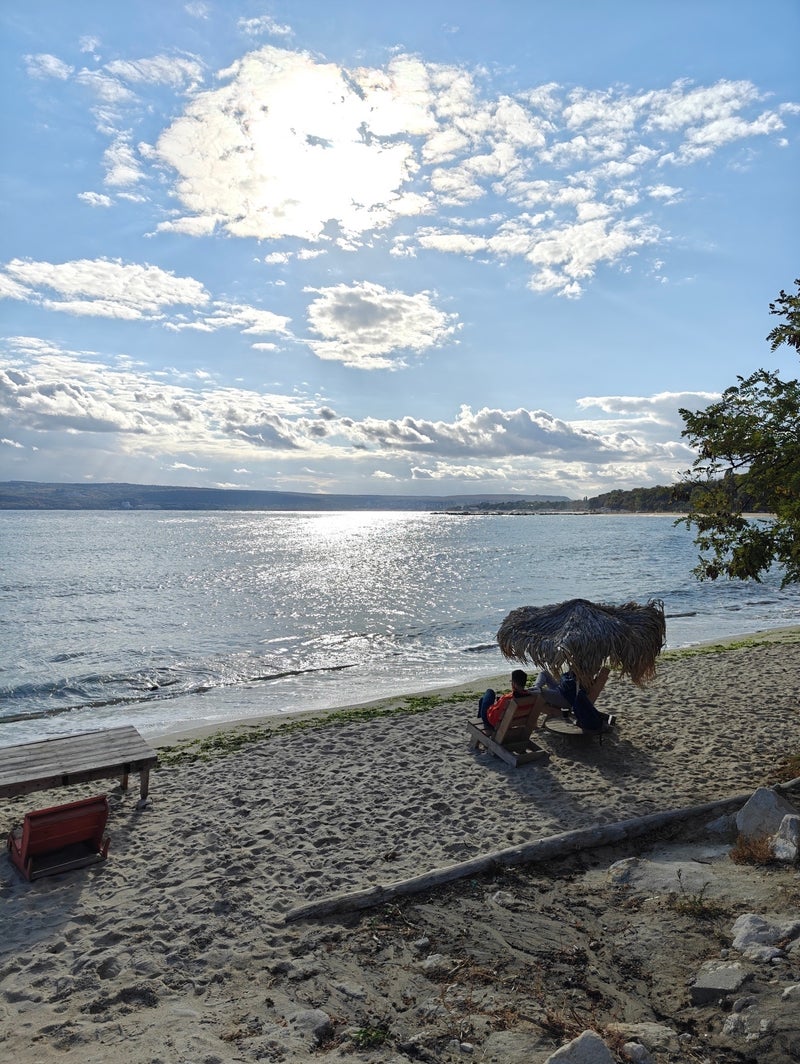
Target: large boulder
[
  {"x": 786, "y": 843},
  {"x": 587, "y": 1048},
  {"x": 761, "y": 815}
]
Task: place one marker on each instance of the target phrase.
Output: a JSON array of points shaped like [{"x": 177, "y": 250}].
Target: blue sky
[{"x": 420, "y": 248}]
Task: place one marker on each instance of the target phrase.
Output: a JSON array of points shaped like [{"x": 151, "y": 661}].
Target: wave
[{"x": 34, "y": 694}]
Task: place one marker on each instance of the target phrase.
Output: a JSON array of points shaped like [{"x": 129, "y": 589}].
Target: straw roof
[{"x": 583, "y": 636}]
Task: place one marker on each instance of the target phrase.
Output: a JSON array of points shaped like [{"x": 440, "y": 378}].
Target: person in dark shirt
[{"x": 566, "y": 694}]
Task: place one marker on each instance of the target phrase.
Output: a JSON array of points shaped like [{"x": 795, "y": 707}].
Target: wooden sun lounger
[
  {"x": 60, "y": 838},
  {"x": 68, "y": 759},
  {"x": 511, "y": 740}
]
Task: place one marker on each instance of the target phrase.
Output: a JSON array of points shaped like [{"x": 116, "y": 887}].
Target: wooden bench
[
  {"x": 68, "y": 759},
  {"x": 60, "y": 838}
]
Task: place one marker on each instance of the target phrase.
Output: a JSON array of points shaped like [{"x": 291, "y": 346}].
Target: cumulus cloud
[
  {"x": 655, "y": 410},
  {"x": 95, "y": 199},
  {"x": 367, "y": 326},
  {"x": 412, "y": 139},
  {"x": 248, "y": 155},
  {"x": 109, "y": 288},
  {"x": 46, "y": 393},
  {"x": 564, "y": 170}
]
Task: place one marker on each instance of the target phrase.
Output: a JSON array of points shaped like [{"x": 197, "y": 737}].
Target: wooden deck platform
[{"x": 68, "y": 759}]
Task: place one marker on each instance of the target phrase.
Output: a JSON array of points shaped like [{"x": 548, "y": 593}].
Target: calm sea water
[{"x": 176, "y": 620}]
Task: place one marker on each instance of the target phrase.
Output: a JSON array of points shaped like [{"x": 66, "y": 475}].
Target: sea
[{"x": 172, "y": 621}]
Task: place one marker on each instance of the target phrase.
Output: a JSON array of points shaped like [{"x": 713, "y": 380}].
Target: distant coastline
[{"x": 33, "y": 495}]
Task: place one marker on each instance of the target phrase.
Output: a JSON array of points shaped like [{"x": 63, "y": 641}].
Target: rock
[
  {"x": 636, "y": 1052},
  {"x": 761, "y": 815},
  {"x": 357, "y": 993},
  {"x": 502, "y": 897},
  {"x": 755, "y": 936},
  {"x": 715, "y": 981},
  {"x": 436, "y": 964},
  {"x": 664, "y": 875},
  {"x": 742, "y": 1003},
  {"x": 587, "y": 1048},
  {"x": 724, "y": 827},
  {"x": 786, "y": 843},
  {"x": 313, "y": 1025},
  {"x": 651, "y": 1035},
  {"x": 734, "y": 1025},
  {"x": 510, "y": 1047}
]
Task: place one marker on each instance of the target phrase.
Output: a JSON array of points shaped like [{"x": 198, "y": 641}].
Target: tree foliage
[{"x": 750, "y": 438}]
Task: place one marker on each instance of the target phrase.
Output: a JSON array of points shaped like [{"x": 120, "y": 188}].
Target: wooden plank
[{"x": 69, "y": 759}]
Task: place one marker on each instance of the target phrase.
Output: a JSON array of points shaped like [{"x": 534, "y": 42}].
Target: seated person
[
  {"x": 566, "y": 694},
  {"x": 491, "y": 708}
]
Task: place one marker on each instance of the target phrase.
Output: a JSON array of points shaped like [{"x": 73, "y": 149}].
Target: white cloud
[
  {"x": 113, "y": 287},
  {"x": 658, "y": 409},
  {"x": 668, "y": 193},
  {"x": 121, "y": 165},
  {"x": 95, "y": 199},
  {"x": 47, "y": 66},
  {"x": 49, "y": 397},
  {"x": 249, "y": 155},
  {"x": 186, "y": 466},
  {"x": 248, "y": 320},
  {"x": 105, "y": 89},
  {"x": 254, "y": 27},
  {"x": 369, "y": 327},
  {"x": 104, "y": 288},
  {"x": 406, "y": 141},
  {"x": 175, "y": 71}
]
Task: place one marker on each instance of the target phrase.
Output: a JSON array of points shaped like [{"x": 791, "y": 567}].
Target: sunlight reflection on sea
[{"x": 169, "y": 620}]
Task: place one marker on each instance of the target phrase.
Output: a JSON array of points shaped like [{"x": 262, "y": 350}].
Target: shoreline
[{"x": 784, "y": 634}]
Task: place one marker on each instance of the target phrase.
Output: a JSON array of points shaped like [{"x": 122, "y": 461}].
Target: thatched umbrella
[{"x": 583, "y": 636}]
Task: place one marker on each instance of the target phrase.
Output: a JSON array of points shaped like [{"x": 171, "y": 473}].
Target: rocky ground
[{"x": 508, "y": 967}]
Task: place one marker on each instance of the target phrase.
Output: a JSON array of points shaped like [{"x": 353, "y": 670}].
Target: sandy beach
[{"x": 178, "y": 947}]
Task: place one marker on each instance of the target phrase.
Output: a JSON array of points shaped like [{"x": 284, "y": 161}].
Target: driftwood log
[{"x": 555, "y": 846}]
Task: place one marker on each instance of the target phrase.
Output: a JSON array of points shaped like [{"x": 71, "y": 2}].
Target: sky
[{"x": 432, "y": 248}]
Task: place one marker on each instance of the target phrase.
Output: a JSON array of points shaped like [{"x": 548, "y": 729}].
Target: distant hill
[{"x": 30, "y": 495}]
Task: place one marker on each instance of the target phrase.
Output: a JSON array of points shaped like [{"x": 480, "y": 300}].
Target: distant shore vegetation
[
  {"x": 675, "y": 498},
  {"x": 31, "y": 495}
]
